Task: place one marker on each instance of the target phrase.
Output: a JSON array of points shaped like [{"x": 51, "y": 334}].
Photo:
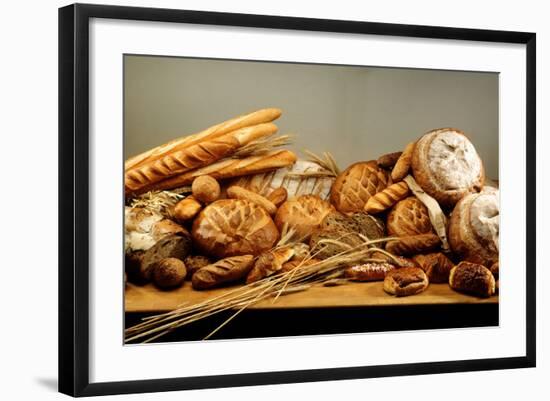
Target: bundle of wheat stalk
[{"x": 299, "y": 279}]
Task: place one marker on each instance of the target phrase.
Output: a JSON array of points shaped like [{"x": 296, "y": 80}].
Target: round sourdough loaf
[
  {"x": 302, "y": 214},
  {"x": 356, "y": 184},
  {"x": 474, "y": 228},
  {"x": 230, "y": 227},
  {"x": 446, "y": 165},
  {"x": 409, "y": 217}
]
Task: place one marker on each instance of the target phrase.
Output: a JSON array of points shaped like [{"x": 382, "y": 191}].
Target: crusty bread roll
[
  {"x": 231, "y": 167},
  {"x": 387, "y": 198},
  {"x": 446, "y": 165},
  {"x": 194, "y": 156},
  {"x": 302, "y": 214},
  {"x": 230, "y": 227},
  {"x": 409, "y": 217},
  {"x": 474, "y": 228},
  {"x": 388, "y": 160},
  {"x": 223, "y": 271},
  {"x": 472, "y": 278},
  {"x": 356, "y": 184},
  {"x": 405, "y": 281},
  {"x": 301, "y": 178},
  {"x": 413, "y": 244},
  {"x": 436, "y": 265}
]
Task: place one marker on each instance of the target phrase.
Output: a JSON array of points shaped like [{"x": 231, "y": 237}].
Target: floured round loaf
[
  {"x": 474, "y": 228},
  {"x": 356, "y": 184},
  {"x": 231, "y": 227},
  {"x": 294, "y": 179},
  {"x": 446, "y": 165},
  {"x": 302, "y": 214},
  {"x": 409, "y": 217}
]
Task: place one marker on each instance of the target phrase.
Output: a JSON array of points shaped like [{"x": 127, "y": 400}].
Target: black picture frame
[{"x": 74, "y": 198}]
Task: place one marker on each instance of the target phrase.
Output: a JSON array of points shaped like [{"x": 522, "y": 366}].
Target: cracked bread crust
[{"x": 446, "y": 165}]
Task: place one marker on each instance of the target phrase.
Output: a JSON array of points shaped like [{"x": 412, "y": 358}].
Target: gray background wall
[{"x": 356, "y": 113}]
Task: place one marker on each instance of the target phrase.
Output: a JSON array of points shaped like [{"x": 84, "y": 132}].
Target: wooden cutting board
[{"x": 149, "y": 299}]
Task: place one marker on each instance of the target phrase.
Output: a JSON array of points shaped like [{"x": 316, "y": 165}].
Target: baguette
[
  {"x": 247, "y": 120},
  {"x": 223, "y": 271},
  {"x": 229, "y": 168},
  {"x": 387, "y": 198},
  {"x": 194, "y": 156}
]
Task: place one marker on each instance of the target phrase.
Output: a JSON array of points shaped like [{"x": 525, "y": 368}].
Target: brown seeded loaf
[{"x": 446, "y": 165}]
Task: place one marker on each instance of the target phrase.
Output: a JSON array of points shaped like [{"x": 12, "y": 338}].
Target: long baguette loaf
[
  {"x": 194, "y": 156},
  {"x": 229, "y": 168},
  {"x": 223, "y": 271},
  {"x": 247, "y": 120}
]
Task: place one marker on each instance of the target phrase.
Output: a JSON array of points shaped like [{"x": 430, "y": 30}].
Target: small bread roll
[
  {"x": 388, "y": 160},
  {"x": 446, "y": 165},
  {"x": 405, "y": 281},
  {"x": 436, "y": 265},
  {"x": 472, "y": 278},
  {"x": 205, "y": 189},
  {"x": 169, "y": 273},
  {"x": 193, "y": 263},
  {"x": 278, "y": 196},
  {"x": 236, "y": 192},
  {"x": 186, "y": 209}
]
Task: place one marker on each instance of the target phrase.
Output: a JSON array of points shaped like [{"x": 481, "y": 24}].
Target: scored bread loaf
[
  {"x": 474, "y": 228},
  {"x": 229, "y": 227},
  {"x": 413, "y": 244},
  {"x": 356, "y": 184},
  {"x": 229, "y": 168},
  {"x": 446, "y": 166},
  {"x": 247, "y": 120},
  {"x": 303, "y": 215},
  {"x": 387, "y": 198},
  {"x": 409, "y": 217},
  {"x": 194, "y": 156},
  {"x": 222, "y": 272},
  {"x": 302, "y": 178}
]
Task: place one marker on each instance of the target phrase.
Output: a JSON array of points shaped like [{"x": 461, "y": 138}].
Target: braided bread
[{"x": 387, "y": 198}]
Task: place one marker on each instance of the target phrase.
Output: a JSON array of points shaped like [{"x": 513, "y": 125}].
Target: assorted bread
[{"x": 243, "y": 211}]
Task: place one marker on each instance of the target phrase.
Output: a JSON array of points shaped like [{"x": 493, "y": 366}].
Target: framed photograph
[{"x": 276, "y": 199}]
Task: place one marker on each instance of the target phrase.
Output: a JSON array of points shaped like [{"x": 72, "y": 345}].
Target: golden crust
[
  {"x": 355, "y": 185},
  {"x": 409, "y": 217}
]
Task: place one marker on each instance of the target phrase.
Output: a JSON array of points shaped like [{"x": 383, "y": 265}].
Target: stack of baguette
[{"x": 178, "y": 162}]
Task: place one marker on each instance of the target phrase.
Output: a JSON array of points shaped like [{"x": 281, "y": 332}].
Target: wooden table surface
[{"x": 149, "y": 299}]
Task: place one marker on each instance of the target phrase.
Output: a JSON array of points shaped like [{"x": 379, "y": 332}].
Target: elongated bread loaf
[
  {"x": 387, "y": 198},
  {"x": 194, "y": 156},
  {"x": 229, "y": 168},
  {"x": 413, "y": 244},
  {"x": 223, "y": 271},
  {"x": 247, "y": 120}
]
